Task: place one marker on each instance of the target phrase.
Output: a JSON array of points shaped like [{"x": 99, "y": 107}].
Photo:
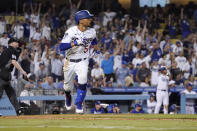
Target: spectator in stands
[
  {"x": 154, "y": 73},
  {"x": 157, "y": 53},
  {"x": 42, "y": 72},
  {"x": 46, "y": 31},
  {"x": 178, "y": 48},
  {"x": 35, "y": 14},
  {"x": 71, "y": 21},
  {"x": 115, "y": 109},
  {"x": 171, "y": 27},
  {"x": 56, "y": 66},
  {"x": 190, "y": 103},
  {"x": 108, "y": 16},
  {"x": 98, "y": 109},
  {"x": 4, "y": 40},
  {"x": 176, "y": 74},
  {"x": 138, "y": 109},
  {"x": 133, "y": 74},
  {"x": 32, "y": 31},
  {"x": 151, "y": 103},
  {"x": 18, "y": 30},
  {"x": 26, "y": 26},
  {"x": 74, "y": 6},
  {"x": 49, "y": 84},
  {"x": 2, "y": 25},
  {"x": 164, "y": 60},
  {"x": 97, "y": 75},
  {"x": 27, "y": 92},
  {"x": 185, "y": 24},
  {"x": 121, "y": 74},
  {"x": 106, "y": 41},
  {"x": 37, "y": 35},
  {"x": 24, "y": 60},
  {"x": 143, "y": 76},
  {"x": 181, "y": 60},
  {"x": 107, "y": 66}
]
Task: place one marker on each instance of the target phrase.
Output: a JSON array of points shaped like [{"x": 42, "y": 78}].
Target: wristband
[{"x": 75, "y": 43}]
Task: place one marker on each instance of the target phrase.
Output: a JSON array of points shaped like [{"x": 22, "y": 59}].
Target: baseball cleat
[
  {"x": 68, "y": 107},
  {"x": 79, "y": 111}
]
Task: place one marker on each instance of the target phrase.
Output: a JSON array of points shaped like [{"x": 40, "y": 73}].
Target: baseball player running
[
  {"x": 77, "y": 41},
  {"x": 162, "y": 91},
  {"x": 190, "y": 103}
]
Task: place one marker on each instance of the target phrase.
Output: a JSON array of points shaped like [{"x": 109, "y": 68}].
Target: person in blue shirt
[
  {"x": 185, "y": 24},
  {"x": 138, "y": 109},
  {"x": 56, "y": 22},
  {"x": 115, "y": 109},
  {"x": 171, "y": 27},
  {"x": 133, "y": 73},
  {"x": 121, "y": 74},
  {"x": 26, "y": 27},
  {"x": 107, "y": 66},
  {"x": 106, "y": 41},
  {"x": 49, "y": 84},
  {"x": 157, "y": 53},
  {"x": 98, "y": 108}
]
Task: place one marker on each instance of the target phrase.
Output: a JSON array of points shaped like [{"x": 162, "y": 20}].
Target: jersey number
[{"x": 86, "y": 49}]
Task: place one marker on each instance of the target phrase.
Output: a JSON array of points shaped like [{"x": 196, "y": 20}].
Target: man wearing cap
[
  {"x": 138, "y": 109},
  {"x": 151, "y": 103},
  {"x": 98, "y": 108},
  {"x": 162, "y": 91},
  {"x": 190, "y": 103},
  {"x": 77, "y": 42},
  {"x": 8, "y": 61},
  {"x": 115, "y": 109}
]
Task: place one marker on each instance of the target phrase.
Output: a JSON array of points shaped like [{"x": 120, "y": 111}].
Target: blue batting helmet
[{"x": 82, "y": 14}]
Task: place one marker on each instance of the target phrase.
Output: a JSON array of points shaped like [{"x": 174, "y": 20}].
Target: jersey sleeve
[
  {"x": 13, "y": 55},
  {"x": 67, "y": 37}
]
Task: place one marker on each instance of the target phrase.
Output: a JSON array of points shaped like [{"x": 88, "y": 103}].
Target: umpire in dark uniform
[{"x": 8, "y": 60}]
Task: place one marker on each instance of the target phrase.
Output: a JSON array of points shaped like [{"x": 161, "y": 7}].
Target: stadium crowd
[{"x": 132, "y": 48}]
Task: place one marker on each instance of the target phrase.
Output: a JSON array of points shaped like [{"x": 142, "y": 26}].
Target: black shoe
[{"x": 20, "y": 111}]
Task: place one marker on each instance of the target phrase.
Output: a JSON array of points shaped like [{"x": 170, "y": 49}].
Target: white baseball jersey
[
  {"x": 46, "y": 32},
  {"x": 19, "y": 31},
  {"x": 181, "y": 60},
  {"x": 151, "y": 106},
  {"x": 189, "y": 103},
  {"x": 163, "y": 82},
  {"x": 4, "y": 41},
  {"x": 86, "y": 37},
  {"x": 162, "y": 93}
]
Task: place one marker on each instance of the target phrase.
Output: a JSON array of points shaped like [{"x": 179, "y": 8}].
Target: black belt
[
  {"x": 162, "y": 90},
  {"x": 76, "y": 60},
  {"x": 190, "y": 105}
]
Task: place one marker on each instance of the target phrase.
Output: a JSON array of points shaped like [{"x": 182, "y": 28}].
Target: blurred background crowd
[{"x": 133, "y": 45}]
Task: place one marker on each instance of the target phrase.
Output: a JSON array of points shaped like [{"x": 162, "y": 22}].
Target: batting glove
[{"x": 78, "y": 43}]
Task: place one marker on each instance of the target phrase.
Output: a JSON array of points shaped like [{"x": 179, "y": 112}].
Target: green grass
[{"x": 124, "y": 122}]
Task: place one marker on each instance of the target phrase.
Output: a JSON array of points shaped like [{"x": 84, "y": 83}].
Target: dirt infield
[{"x": 105, "y": 117}]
